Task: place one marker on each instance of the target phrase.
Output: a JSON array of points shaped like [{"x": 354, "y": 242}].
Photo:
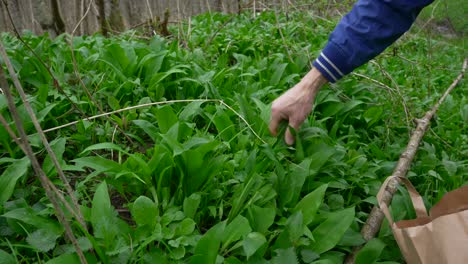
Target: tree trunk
[
  {"x": 59, "y": 25},
  {"x": 116, "y": 21},
  {"x": 102, "y": 17}
]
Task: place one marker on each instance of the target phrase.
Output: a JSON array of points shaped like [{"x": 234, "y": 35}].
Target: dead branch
[{"x": 374, "y": 221}]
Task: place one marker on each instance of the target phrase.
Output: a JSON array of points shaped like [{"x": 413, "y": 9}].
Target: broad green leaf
[
  {"x": 330, "y": 232},
  {"x": 166, "y": 118},
  {"x": 149, "y": 129},
  {"x": 97, "y": 163},
  {"x": 261, "y": 218},
  {"x": 191, "y": 110},
  {"x": 103, "y": 217},
  {"x": 42, "y": 239},
  {"x": 351, "y": 238},
  {"x": 105, "y": 145},
  {"x": 235, "y": 230},
  {"x": 295, "y": 226},
  {"x": 285, "y": 256},
  {"x": 224, "y": 125},
  {"x": 145, "y": 211},
  {"x": 308, "y": 255},
  {"x": 252, "y": 242},
  {"x": 311, "y": 203},
  {"x": 207, "y": 247},
  {"x": 186, "y": 227},
  {"x": 191, "y": 204},
  {"x": 58, "y": 147},
  {"x": 6, "y": 258},
  {"x": 278, "y": 73},
  {"x": 29, "y": 216},
  {"x": 370, "y": 252},
  {"x": 10, "y": 176}
]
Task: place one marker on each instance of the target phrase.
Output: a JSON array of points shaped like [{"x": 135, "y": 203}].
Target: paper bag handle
[{"x": 416, "y": 198}]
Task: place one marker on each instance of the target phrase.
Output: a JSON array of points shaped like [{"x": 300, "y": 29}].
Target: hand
[{"x": 296, "y": 104}]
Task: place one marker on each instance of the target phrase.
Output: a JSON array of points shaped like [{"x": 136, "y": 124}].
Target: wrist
[{"x": 313, "y": 80}]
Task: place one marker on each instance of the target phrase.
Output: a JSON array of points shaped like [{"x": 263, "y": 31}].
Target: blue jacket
[{"x": 370, "y": 27}]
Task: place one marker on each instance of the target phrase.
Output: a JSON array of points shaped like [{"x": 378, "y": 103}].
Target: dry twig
[
  {"x": 374, "y": 221},
  {"x": 45, "y": 181}
]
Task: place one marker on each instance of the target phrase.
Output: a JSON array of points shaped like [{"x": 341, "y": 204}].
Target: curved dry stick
[
  {"x": 374, "y": 221},
  {"x": 45, "y": 181}
]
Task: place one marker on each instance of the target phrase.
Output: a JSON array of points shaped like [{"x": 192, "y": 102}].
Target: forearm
[{"x": 370, "y": 27}]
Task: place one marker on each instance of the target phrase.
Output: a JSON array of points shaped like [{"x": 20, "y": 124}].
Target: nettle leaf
[
  {"x": 144, "y": 212},
  {"x": 285, "y": 256},
  {"x": 370, "y": 252},
  {"x": 10, "y": 176},
  {"x": 252, "y": 242},
  {"x": 238, "y": 228},
  {"x": 330, "y": 232},
  {"x": 207, "y": 247},
  {"x": 42, "y": 239},
  {"x": 311, "y": 203}
]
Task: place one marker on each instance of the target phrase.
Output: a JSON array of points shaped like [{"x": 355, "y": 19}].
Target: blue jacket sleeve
[{"x": 370, "y": 27}]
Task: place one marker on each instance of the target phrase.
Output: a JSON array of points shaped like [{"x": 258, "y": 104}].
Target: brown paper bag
[{"x": 440, "y": 237}]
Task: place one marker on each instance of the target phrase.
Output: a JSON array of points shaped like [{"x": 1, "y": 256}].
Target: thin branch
[
  {"x": 83, "y": 17},
  {"x": 374, "y": 221},
  {"x": 158, "y": 103},
  {"x": 44, "y": 140},
  {"x": 45, "y": 181},
  {"x": 397, "y": 88},
  {"x": 11, "y": 132}
]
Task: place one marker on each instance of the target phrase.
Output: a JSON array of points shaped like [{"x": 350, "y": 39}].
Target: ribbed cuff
[{"x": 332, "y": 63}]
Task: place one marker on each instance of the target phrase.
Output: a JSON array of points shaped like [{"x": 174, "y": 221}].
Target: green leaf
[
  {"x": 285, "y": 256},
  {"x": 311, "y": 203},
  {"x": 186, "y": 227},
  {"x": 6, "y": 258},
  {"x": 191, "y": 110},
  {"x": 58, "y": 147},
  {"x": 149, "y": 129},
  {"x": 238, "y": 228},
  {"x": 370, "y": 252},
  {"x": 351, "y": 238},
  {"x": 29, "y": 216},
  {"x": 330, "y": 232},
  {"x": 145, "y": 212},
  {"x": 261, "y": 218},
  {"x": 166, "y": 118},
  {"x": 99, "y": 164},
  {"x": 191, "y": 204},
  {"x": 10, "y": 176},
  {"x": 295, "y": 226},
  {"x": 42, "y": 239},
  {"x": 207, "y": 247},
  {"x": 105, "y": 145},
  {"x": 252, "y": 242}
]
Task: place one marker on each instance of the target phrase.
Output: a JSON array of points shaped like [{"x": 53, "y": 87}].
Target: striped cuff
[{"x": 331, "y": 63}]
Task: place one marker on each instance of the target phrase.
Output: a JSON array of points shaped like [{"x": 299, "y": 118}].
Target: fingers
[
  {"x": 275, "y": 120},
  {"x": 288, "y": 136}
]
